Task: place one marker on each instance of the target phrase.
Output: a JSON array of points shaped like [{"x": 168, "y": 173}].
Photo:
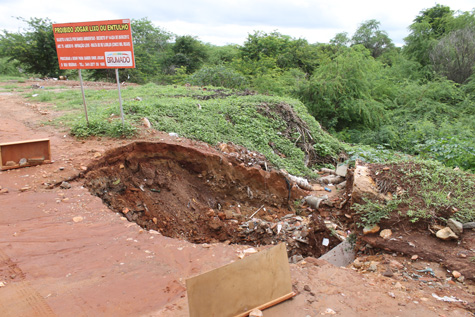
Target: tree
[
  {"x": 34, "y": 47},
  {"x": 370, "y": 36},
  {"x": 454, "y": 55},
  {"x": 189, "y": 53},
  {"x": 428, "y": 27},
  {"x": 151, "y": 46}
]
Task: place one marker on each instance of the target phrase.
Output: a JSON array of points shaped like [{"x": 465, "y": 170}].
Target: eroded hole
[{"x": 203, "y": 196}]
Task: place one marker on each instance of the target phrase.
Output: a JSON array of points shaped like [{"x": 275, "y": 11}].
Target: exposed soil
[{"x": 64, "y": 252}]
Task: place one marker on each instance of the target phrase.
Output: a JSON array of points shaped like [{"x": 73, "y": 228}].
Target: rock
[
  {"x": 307, "y": 288},
  {"x": 369, "y": 230},
  {"x": 146, "y": 123},
  {"x": 399, "y": 286},
  {"x": 385, "y": 234},
  {"x": 97, "y": 154},
  {"x": 256, "y": 313},
  {"x": 396, "y": 264},
  {"x": 373, "y": 267},
  {"x": 357, "y": 264},
  {"x": 446, "y": 234},
  {"x": 329, "y": 311},
  {"x": 215, "y": 224},
  {"x": 23, "y": 162},
  {"x": 25, "y": 188},
  {"x": 456, "y": 274},
  {"x": 65, "y": 185},
  {"x": 469, "y": 225},
  {"x": 228, "y": 214},
  {"x": 78, "y": 219},
  {"x": 456, "y": 226},
  {"x": 414, "y": 257},
  {"x": 388, "y": 273},
  {"x": 3, "y": 191}
]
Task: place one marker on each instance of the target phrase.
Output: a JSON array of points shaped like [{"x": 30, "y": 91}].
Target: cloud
[{"x": 220, "y": 22}]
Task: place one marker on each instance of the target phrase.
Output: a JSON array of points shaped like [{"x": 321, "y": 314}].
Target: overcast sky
[{"x": 223, "y": 22}]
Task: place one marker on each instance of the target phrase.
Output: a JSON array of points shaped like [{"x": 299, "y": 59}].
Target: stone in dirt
[
  {"x": 256, "y": 313},
  {"x": 65, "y": 185},
  {"x": 469, "y": 225},
  {"x": 456, "y": 274},
  {"x": 3, "y": 191},
  {"x": 78, "y": 219},
  {"x": 371, "y": 229},
  {"x": 456, "y": 226},
  {"x": 446, "y": 234},
  {"x": 385, "y": 234}
]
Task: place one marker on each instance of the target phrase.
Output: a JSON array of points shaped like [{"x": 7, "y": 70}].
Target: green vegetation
[
  {"x": 427, "y": 191},
  {"x": 254, "y": 121},
  {"x": 418, "y": 99}
]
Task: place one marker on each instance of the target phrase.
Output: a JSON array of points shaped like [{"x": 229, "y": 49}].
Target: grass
[
  {"x": 211, "y": 116},
  {"x": 428, "y": 192}
]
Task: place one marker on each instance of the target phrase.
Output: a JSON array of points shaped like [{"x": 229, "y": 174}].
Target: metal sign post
[
  {"x": 83, "y": 96},
  {"x": 120, "y": 96}
]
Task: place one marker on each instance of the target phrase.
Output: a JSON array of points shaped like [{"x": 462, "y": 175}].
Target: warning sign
[{"x": 94, "y": 45}]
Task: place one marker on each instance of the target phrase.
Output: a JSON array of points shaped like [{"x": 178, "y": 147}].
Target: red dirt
[{"x": 63, "y": 252}]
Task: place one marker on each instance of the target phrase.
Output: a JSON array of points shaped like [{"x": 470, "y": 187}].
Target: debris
[
  {"x": 301, "y": 182},
  {"x": 2, "y": 284},
  {"x": 342, "y": 170},
  {"x": 325, "y": 242},
  {"x": 250, "y": 251},
  {"x": 327, "y": 189},
  {"x": 456, "y": 226},
  {"x": 328, "y": 170},
  {"x": 446, "y": 234},
  {"x": 256, "y": 211},
  {"x": 385, "y": 234},
  {"x": 313, "y": 201},
  {"x": 331, "y": 179},
  {"x": 173, "y": 134},
  {"x": 450, "y": 299}
]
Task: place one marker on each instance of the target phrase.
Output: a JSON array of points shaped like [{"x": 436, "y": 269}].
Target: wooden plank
[
  {"x": 34, "y": 151},
  {"x": 256, "y": 281}
]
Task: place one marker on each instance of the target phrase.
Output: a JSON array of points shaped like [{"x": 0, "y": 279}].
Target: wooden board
[
  {"x": 257, "y": 281},
  {"x": 34, "y": 151}
]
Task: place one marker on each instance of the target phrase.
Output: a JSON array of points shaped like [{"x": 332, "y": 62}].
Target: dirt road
[{"x": 64, "y": 253}]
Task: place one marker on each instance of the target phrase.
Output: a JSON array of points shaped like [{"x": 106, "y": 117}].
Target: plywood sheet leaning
[
  {"x": 24, "y": 153},
  {"x": 257, "y": 281}
]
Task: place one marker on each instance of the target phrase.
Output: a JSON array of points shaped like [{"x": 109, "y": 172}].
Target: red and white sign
[{"x": 94, "y": 45}]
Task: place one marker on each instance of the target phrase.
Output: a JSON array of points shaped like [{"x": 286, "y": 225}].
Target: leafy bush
[
  {"x": 100, "y": 127},
  {"x": 218, "y": 76}
]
